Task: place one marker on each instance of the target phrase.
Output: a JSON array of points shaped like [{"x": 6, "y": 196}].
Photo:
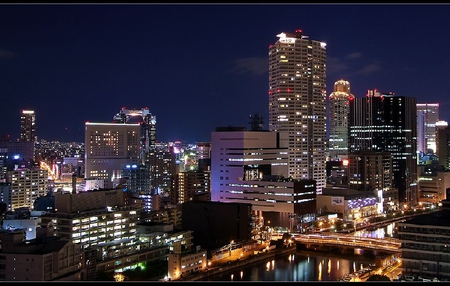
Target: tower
[
  {"x": 384, "y": 122},
  {"x": 297, "y": 102},
  {"x": 427, "y": 117},
  {"x": 339, "y": 110},
  {"x": 27, "y": 126}
]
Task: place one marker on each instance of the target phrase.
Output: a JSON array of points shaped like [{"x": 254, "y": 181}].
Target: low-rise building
[
  {"x": 41, "y": 259},
  {"x": 349, "y": 204},
  {"x": 425, "y": 243}
]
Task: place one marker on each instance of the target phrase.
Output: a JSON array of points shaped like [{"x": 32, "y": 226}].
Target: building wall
[
  {"x": 424, "y": 248},
  {"x": 109, "y": 147},
  {"x": 349, "y": 204},
  {"x": 27, "y": 185},
  {"x": 432, "y": 188},
  {"x": 96, "y": 226},
  {"x": 182, "y": 264},
  {"x": 211, "y": 227},
  {"x": 68, "y": 203},
  {"x": 40, "y": 261},
  {"x": 191, "y": 184},
  {"x": 240, "y": 156}
]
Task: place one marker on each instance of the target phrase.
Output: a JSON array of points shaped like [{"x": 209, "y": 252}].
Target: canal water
[{"x": 305, "y": 267}]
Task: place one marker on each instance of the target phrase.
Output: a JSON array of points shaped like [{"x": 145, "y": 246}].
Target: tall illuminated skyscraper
[
  {"x": 27, "y": 126},
  {"x": 339, "y": 108},
  {"x": 427, "y": 117},
  {"x": 297, "y": 102}
]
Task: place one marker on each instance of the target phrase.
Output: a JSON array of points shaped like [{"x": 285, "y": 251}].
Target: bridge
[{"x": 386, "y": 244}]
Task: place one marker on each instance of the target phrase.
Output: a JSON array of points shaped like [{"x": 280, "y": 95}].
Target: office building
[
  {"x": 28, "y": 126},
  {"x": 372, "y": 172},
  {"x": 432, "y": 183},
  {"x": 44, "y": 259},
  {"x": 26, "y": 186},
  {"x": 297, "y": 103},
  {"x": 251, "y": 167},
  {"x": 192, "y": 185},
  {"x": 138, "y": 183},
  {"x": 384, "y": 122},
  {"x": 203, "y": 155},
  {"x": 109, "y": 147},
  {"x": 16, "y": 154},
  {"x": 163, "y": 170},
  {"x": 216, "y": 224},
  {"x": 443, "y": 146},
  {"x": 147, "y": 121},
  {"x": 427, "y": 117},
  {"x": 348, "y": 204},
  {"x": 425, "y": 241},
  {"x": 339, "y": 109}
]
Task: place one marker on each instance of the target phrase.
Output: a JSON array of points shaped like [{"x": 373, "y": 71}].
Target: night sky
[{"x": 197, "y": 67}]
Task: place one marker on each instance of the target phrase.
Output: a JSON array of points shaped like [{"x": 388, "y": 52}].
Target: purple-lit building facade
[{"x": 348, "y": 204}]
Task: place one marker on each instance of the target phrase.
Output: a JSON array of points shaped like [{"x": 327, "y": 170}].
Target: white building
[
  {"x": 26, "y": 186},
  {"x": 251, "y": 167},
  {"x": 297, "y": 103},
  {"x": 427, "y": 117}
]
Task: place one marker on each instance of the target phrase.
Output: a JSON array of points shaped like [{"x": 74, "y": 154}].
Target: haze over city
[{"x": 197, "y": 67}]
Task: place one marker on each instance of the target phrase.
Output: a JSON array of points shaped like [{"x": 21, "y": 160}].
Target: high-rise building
[
  {"x": 148, "y": 128},
  {"x": 339, "y": 109},
  {"x": 192, "y": 185},
  {"x": 443, "y": 135},
  {"x": 109, "y": 147},
  {"x": 138, "y": 183},
  {"x": 27, "y": 126},
  {"x": 427, "y": 117},
  {"x": 26, "y": 186},
  {"x": 384, "y": 122},
  {"x": 297, "y": 103}
]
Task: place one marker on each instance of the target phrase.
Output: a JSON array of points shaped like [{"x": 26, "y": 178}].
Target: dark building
[
  {"x": 45, "y": 203},
  {"x": 425, "y": 241},
  {"x": 384, "y": 122},
  {"x": 215, "y": 224}
]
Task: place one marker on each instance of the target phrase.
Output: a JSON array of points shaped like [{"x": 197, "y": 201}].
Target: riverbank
[{"x": 239, "y": 263}]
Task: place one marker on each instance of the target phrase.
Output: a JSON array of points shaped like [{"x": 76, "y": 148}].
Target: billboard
[{"x": 337, "y": 201}]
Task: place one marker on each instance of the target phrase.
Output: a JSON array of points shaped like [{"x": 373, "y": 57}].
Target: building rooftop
[{"x": 438, "y": 218}]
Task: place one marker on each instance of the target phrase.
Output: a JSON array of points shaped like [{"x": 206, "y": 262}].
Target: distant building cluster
[{"x": 74, "y": 211}]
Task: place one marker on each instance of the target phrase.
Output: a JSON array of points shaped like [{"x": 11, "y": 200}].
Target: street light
[{"x": 231, "y": 244}]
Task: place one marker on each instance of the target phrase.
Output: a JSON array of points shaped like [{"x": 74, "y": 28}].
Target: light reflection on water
[
  {"x": 298, "y": 267},
  {"x": 295, "y": 267},
  {"x": 387, "y": 231}
]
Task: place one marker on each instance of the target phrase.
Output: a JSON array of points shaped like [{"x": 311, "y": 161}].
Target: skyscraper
[
  {"x": 384, "y": 122},
  {"x": 339, "y": 109},
  {"x": 297, "y": 102},
  {"x": 27, "y": 126},
  {"x": 427, "y": 116}
]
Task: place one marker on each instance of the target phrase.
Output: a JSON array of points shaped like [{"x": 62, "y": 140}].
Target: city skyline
[{"x": 198, "y": 67}]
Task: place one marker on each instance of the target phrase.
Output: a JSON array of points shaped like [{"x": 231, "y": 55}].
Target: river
[{"x": 305, "y": 267}]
